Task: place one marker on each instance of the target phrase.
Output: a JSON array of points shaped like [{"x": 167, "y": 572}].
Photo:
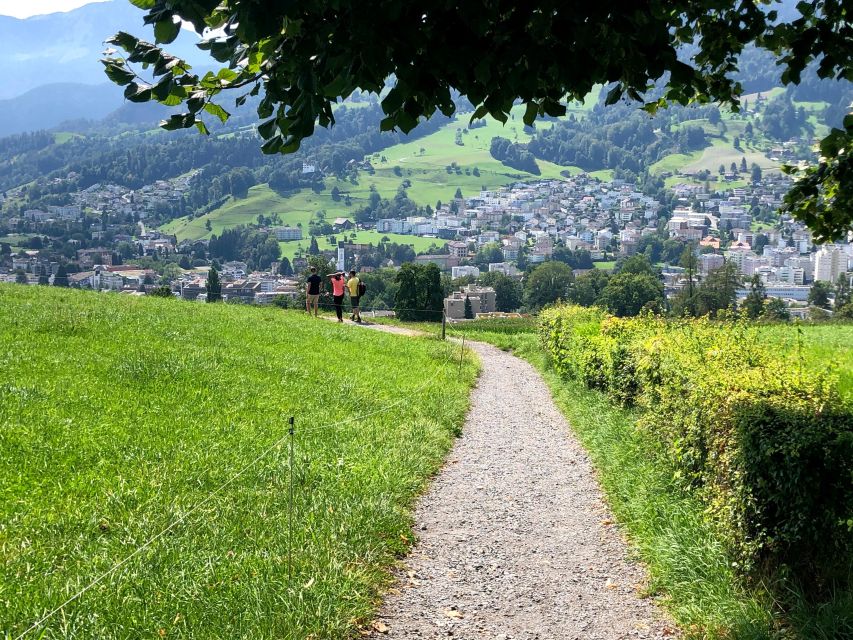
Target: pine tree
[
  {"x": 842, "y": 291},
  {"x": 61, "y": 277},
  {"x": 314, "y": 248},
  {"x": 753, "y": 305},
  {"x": 469, "y": 312},
  {"x": 689, "y": 262},
  {"x": 213, "y": 286}
]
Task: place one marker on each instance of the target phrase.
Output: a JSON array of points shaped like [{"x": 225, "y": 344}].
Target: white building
[
  {"x": 829, "y": 263},
  {"x": 462, "y": 272}
]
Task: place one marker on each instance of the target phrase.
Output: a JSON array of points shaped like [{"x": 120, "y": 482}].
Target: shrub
[{"x": 767, "y": 446}]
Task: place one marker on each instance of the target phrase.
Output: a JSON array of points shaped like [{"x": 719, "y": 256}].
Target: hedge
[{"x": 766, "y": 445}]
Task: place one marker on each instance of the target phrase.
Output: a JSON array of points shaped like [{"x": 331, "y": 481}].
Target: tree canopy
[{"x": 301, "y": 58}]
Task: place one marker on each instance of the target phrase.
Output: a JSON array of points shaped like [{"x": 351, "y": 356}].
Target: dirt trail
[{"x": 515, "y": 540}]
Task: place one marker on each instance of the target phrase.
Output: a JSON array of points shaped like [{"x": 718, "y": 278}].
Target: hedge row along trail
[{"x": 764, "y": 442}]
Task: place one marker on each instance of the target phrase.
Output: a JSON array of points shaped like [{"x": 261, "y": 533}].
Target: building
[
  {"x": 829, "y": 263},
  {"x": 462, "y": 272},
  {"x": 444, "y": 262},
  {"x": 283, "y": 234},
  {"x": 482, "y": 300},
  {"x": 458, "y": 249},
  {"x": 506, "y": 268}
]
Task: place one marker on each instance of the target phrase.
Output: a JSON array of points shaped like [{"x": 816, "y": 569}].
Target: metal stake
[{"x": 290, "y": 510}]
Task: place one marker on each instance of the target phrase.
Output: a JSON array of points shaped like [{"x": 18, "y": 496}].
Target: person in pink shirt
[{"x": 338, "y": 285}]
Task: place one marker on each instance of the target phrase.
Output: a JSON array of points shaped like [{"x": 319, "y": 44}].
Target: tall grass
[{"x": 120, "y": 417}]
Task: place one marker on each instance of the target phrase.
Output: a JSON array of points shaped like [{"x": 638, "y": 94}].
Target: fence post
[
  {"x": 290, "y": 510},
  {"x": 443, "y": 323},
  {"x": 462, "y": 354}
]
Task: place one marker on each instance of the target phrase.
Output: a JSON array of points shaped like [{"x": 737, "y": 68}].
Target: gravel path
[{"x": 515, "y": 540}]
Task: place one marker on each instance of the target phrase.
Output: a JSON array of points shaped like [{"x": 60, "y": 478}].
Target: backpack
[{"x": 362, "y": 288}]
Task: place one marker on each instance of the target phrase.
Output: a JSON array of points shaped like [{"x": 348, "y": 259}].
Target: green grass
[
  {"x": 62, "y": 137},
  {"x": 721, "y": 152},
  {"x": 122, "y": 417},
  {"x": 821, "y": 346},
  {"x": 289, "y": 249},
  {"x": 608, "y": 265}
]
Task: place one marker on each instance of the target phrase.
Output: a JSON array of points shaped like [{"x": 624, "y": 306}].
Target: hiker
[
  {"x": 355, "y": 289},
  {"x": 338, "y": 285},
  {"x": 312, "y": 292}
]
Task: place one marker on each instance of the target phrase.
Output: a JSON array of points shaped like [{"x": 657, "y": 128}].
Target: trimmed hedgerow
[{"x": 765, "y": 444}]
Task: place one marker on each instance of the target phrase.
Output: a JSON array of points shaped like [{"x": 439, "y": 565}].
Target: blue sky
[{"x": 39, "y": 7}]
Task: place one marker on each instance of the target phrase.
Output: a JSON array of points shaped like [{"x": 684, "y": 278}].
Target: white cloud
[{"x": 29, "y": 8}]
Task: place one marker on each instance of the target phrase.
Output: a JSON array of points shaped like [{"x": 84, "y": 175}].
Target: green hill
[
  {"x": 124, "y": 419},
  {"x": 424, "y": 162}
]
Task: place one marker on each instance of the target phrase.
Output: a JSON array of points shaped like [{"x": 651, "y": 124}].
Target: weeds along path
[{"x": 515, "y": 540}]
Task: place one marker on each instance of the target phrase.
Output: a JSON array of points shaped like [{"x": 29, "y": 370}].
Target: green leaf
[
  {"x": 195, "y": 103},
  {"x": 124, "y": 40},
  {"x": 143, "y": 4},
  {"x": 178, "y": 121},
  {"x": 530, "y": 113},
  {"x": 266, "y": 129},
  {"x": 202, "y": 127},
  {"x": 273, "y": 145},
  {"x": 613, "y": 95},
  {"x": 166, "y": 30},
  {"x": 215, "y": 110},
  {"x": 138, "y": 92},
  {"x": 117, "y": 73},
  {"x": 162, "y": 89}
]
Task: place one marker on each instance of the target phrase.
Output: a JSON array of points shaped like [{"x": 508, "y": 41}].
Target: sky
[{"x": 27, "y": 8}]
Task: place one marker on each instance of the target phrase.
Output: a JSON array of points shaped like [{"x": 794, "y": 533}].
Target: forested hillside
[{"x": 229, "y": 161}]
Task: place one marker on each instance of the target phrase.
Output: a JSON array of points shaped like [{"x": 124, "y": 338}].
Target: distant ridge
[
  {"x": 66, "y": 47},
  {"x": 48, "y": 106}
]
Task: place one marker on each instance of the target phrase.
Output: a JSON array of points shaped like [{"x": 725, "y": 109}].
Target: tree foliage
[
  {"x": 508, "y": 292},
  {"x": 213, "y": 286},
  {"x": 753, "y": 305},
  {"x": 420, "y": 295},
  {"x": 548, "y": 283},
  {"x": 627, "y": 293},
  {"x": 301, "y": 58}
]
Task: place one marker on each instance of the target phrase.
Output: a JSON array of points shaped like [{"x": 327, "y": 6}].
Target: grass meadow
[{"x": 124, "y": 419}]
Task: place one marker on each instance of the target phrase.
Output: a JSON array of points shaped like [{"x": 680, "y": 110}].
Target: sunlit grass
[{"x": 121, "y": 416}]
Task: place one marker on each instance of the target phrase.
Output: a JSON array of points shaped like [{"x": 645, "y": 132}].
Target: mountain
[
  {"x": 66, "y": 47},
  {"x": 49, "y": 105}
]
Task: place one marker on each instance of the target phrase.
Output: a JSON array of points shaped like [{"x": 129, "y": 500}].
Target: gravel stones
[{"x": 515, "y": 540}]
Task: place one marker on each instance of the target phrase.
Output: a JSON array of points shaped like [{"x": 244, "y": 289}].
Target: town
[{"x": 101, "y": 241}]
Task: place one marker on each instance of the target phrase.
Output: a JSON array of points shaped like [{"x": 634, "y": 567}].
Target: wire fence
[{"x": 292, "y": 433}]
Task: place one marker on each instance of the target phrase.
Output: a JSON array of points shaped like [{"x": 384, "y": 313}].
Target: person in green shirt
[{"x": 354, "y": 295}]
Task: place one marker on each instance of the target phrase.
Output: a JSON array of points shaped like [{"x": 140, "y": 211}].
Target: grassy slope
[
  {"x": 426, "y": 170},
  {"x": 120, "y": 415},
  {"x": 828, "y": 346}
]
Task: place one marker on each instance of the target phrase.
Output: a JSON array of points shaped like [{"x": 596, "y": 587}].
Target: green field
[
  {"x": 821, "y": 346},
  {"x": 289, "y": 249},
  {"x": 128, "y": 421}
]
